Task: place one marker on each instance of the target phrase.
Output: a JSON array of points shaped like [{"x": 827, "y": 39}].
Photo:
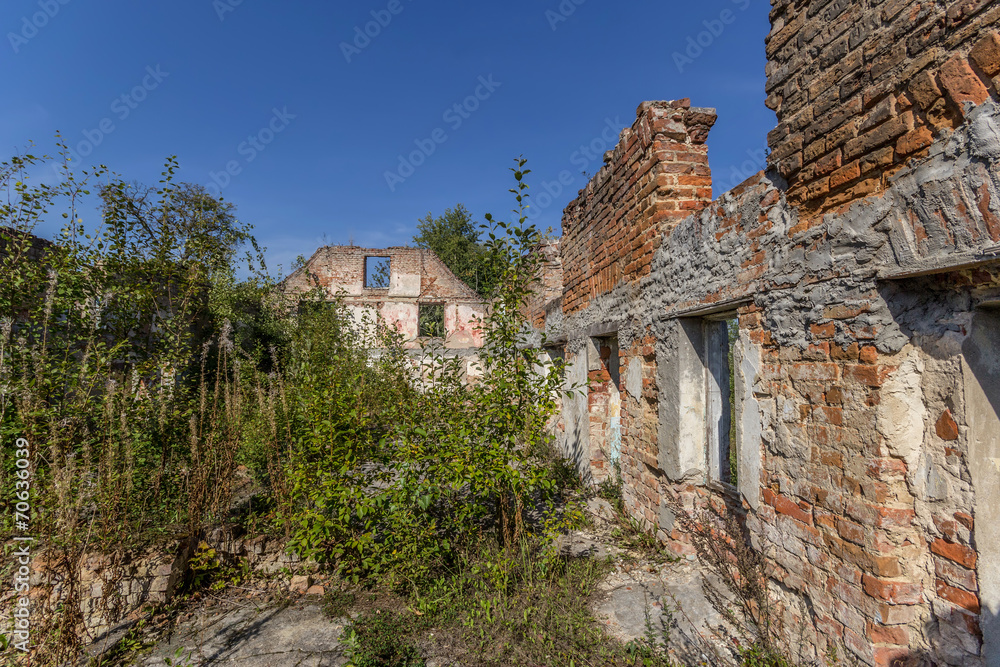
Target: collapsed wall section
[
  {"x": 657, "y": 175},
  {"x": 406, "y": 287},
  {"x": 856, "y": 433}
]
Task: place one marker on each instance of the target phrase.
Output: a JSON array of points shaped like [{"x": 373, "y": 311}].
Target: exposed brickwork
[
  {"x": 417, "y": 277},
  {"x": 861, "y": 88},
  {"x": 549, "y": 288},
  {"x": 853, "y": 424},
  {"x": 657, "y": 175}
]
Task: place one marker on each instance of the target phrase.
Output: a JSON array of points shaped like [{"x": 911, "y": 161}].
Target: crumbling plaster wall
[
  {"x": 416, "y": 277},
  {"x": 854, "y": 327}
]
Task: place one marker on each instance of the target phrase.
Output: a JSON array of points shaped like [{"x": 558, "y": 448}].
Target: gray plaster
[
  {"x": 633, "y": 378},
  {"x": 982, "y": 391},
  {"x": 748, "y": 416}
]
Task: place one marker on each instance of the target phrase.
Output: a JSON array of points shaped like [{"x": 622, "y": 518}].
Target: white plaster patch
[
  {"x": 748, "y": 413},
  {"x": 404, "y": 284},
  {"x": 901, "y": 414},
  {"x": 633, "y": 378}
]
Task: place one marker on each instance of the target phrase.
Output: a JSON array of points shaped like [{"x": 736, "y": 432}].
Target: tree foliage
[
  {"x": 455, "y": 238},
  {"x": 144, "y": 371}
]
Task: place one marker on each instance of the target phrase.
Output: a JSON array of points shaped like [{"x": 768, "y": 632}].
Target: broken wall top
[{"x": 415, "y": 274}]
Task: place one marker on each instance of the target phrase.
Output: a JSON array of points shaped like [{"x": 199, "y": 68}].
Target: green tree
[{"x": 454, "y": 237}]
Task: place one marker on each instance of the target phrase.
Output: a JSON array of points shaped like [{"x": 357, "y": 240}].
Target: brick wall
[
  {"x": 858, "y": 468},
  {"x": 658, "y": 174},
  {"x": 860, "y": 88},
  {"x": 549, "y": 287},
  {"x": 417, "y": 277}
]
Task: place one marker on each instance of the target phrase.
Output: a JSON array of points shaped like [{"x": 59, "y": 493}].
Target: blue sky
[{"x": 337, "y": 121}]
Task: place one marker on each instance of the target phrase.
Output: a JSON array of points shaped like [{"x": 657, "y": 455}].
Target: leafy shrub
[{"x": 377, "y": 640}]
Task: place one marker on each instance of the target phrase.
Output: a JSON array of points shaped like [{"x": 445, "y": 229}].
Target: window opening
[{"x": 377, "y": 272}]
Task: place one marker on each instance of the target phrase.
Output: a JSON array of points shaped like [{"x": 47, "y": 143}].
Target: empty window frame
[
  {"x": 430, "y": 317},
  {"x": 721, "y": 334},
  {"x": 377, "y": 272}
]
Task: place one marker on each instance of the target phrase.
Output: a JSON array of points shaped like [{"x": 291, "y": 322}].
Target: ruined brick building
[
  {"x": 408, "y": 287},
  {"x": 819, "y": 346}
]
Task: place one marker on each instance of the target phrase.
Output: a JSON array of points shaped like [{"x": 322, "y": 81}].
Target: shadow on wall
[
  {"x": 954, "y": 398},
  {"x": 956, "y": 636}
]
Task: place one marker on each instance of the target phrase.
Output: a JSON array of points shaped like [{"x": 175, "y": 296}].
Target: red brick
[
  {"x": 845, "y": 174},
  {"x": 849, "y": 353},
  {"x": 986, "y": 54},
  {"x": 816, "y": 371},
  {"x": 880, "y": 467},
  {"x": 946, "y": 427},
  {"x": 913, "y": 141},
  {"x": 886, "y": 517},
  {"x": 896, "y": 592},
  {"x": 956, "y": 575},
  {"x": 924, "y": 89},
  {"x": 784, "y": 505},
  {"x": 829, "y": 415},
  {"x": 957, "y": 596},
  {"x": 886, "y": 634},
  {"x": 961, "y": 554},
  {"x": 827, "y": 330},
  {"x": 860, "y": 646},
  {"x": 961, "y": 83},
  {"x": 850, "y": 531},
  {"x": 873, "y": 376},
  {"x": 869, "y": 355}
]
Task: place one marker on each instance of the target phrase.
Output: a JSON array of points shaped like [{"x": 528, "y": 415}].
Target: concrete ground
[
  {"x": 298, "y": 635},
  {"x": 650, "y": 599}
]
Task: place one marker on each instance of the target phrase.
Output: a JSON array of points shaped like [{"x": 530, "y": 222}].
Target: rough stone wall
[
  {"x": 861, "y": 87},
  {"x": 417, "y": 277},
  {"x": 113, "y": 590},
  {"x": 860, "y": 394}
]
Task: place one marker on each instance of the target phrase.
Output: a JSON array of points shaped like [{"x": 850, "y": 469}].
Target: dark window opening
[
  {"x": 377, "y": 272},
  {"x": 721, "y": 335},
  {"x": 431, "y": 320}
]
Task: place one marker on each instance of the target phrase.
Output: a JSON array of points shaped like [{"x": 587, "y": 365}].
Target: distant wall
[{"x": 417, "y": 277}]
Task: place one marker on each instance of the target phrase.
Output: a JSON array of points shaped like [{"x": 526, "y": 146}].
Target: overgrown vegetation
[
  {"x": 496, "y": 607},
  {"x": 144, "y": 368}
]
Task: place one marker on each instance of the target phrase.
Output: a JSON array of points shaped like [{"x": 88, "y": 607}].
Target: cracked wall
[
  {"x": 866, "y": 392},
  {"x": 416, "y": 277}
]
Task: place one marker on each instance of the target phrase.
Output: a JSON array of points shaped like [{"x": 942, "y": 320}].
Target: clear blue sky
[{"x": 330, "y": 111}]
